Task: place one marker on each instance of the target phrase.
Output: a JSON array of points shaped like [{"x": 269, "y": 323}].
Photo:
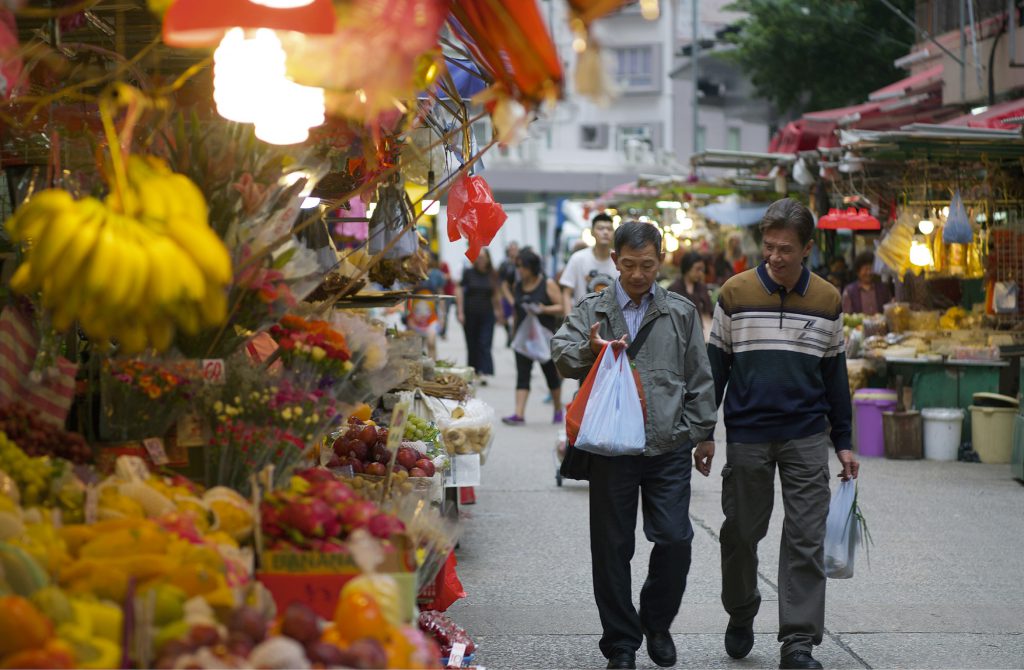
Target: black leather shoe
[
  {"x": 799, "y": 659},
  {"x": 661, "y": 648},
  {"x": 622, "y": 659},
  {"x": 739, "y": 640}
]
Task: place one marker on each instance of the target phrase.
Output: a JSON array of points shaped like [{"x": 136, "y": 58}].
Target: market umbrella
[{"x": 733, "y": 213}]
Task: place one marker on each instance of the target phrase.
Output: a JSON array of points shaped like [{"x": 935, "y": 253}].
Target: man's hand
[
  {"x": 533, "y": 307},
  {"x": 703, "y": 455},
  {"x": 597, "y": 342},
  {"x": 850, "y": 465}
]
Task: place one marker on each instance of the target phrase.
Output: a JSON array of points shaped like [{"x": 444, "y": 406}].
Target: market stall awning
[
  {"x": 996, "y": 116},
  {"x": 630, "y": 190},
  {"x": 733, "y": 213},
  {"x": 914, "y": 84}
]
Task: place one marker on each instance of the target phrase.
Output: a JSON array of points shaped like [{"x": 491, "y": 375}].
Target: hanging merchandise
[
  {"x": 894, "y": 249},
  {"x": 473, "y": 214},
  {"x": 391, "y": 219},
  {"x": 849, "y": 219},
  {"x": 399, "y": 37},
  {"x": 958, "y": 227}
]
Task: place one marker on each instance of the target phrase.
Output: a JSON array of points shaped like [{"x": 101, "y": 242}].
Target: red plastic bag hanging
[{"x": 473, "y": 215}]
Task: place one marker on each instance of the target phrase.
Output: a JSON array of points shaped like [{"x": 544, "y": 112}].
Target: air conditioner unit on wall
[{"x": 594, "y": 136}]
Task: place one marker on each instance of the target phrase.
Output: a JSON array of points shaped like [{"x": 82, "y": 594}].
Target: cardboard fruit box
[{"x": 316, "y": 578}]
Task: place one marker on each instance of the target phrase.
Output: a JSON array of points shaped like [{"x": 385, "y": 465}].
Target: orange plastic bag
[{"x": 473, "y": 214}]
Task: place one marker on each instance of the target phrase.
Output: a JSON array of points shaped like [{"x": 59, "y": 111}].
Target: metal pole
[
  {"x": 695, "y": 55},
  {"x": 963, "y": 55}
]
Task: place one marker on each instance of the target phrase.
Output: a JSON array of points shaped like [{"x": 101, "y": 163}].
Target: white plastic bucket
[{"x": 942, "y": 428}]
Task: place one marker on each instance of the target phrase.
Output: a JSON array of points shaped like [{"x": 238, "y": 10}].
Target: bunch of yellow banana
[{"x": 134, "y": 266}]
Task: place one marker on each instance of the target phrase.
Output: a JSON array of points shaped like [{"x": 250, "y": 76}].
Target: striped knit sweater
[{"x": 782, "y": 356}]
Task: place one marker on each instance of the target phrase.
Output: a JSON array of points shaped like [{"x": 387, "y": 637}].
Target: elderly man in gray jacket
[{"x": 680, "y": 396}]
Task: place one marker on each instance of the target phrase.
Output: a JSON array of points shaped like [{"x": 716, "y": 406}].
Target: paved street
[{"x": 944, "y": 587}]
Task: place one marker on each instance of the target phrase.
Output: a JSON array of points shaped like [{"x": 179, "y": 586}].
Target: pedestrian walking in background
[
  {"x": 507, "y": 277},
  {"x": 587, "y": 263},
  {"x": 535, "y": 293},
  {"x": 867, "y": 294},
  {"x": 446, "y": 306},
  {"x": 776, "y": 350},
  {"x": 691, "y": 284},
  {"x": 679, "y": 391},
  {"x": 478, "y": 307}
]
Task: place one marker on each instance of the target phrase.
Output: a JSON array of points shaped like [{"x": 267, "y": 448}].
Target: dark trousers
[
  {"x": 479, "y": 335},
  {"x": 524, "y": 366},
  {"x": 748, "y": 492},
  {"x": 663, "y": 483}
]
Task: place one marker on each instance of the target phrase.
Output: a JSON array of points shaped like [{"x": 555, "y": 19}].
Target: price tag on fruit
[
  {"x": 396, "y": 429},
  {"x": 458, "y": 653},
  {"x": 213, "y": 370},
  {"x": 155, "y": 448}
]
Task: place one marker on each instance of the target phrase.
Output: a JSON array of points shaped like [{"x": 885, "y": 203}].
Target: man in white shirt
[{"x": 586, "y": 264}]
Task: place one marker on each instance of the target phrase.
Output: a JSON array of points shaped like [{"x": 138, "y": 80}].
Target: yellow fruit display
[{"x": 135, "y": 266}]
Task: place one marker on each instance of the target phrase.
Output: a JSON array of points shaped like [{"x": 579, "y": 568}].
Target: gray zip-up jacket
[{"x": 673, "y": 364}]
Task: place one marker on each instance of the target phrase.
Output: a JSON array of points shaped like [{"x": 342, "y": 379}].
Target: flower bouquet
[
  {"x": 262, "y": 419},
  {"x": 143, "y": 397}
]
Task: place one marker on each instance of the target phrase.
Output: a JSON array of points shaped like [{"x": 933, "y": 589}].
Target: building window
[
  {"x": 638, "y": 69},
  {"x": 594, "y": 136},
  {"x": 733, "y": 139},
  {"x": 641, "y": 135},
  {"x": 700, "y": 142}
]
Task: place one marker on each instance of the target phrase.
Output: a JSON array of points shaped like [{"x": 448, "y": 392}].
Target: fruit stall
[
  {"x": 213, "y": 453},
  {"x": 935, "y": 373}
]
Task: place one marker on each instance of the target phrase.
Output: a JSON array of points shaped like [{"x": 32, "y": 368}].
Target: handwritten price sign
[{"x": 213, "y": 370}]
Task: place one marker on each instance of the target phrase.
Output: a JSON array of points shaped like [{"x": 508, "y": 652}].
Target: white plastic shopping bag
[
  {"x": 613, "y": 420},
  {"x": 533, "y": 340},
  {"x": 842, "y": 532}
]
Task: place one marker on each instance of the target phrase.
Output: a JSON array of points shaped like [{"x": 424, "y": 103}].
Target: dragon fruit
[
  {"x": 270, "y": 518},
  {"x": 312, "y": 518},
  {"x": 384, "y": 526},
  {"x": 333, "y": 492},
  {"x": 358, "y": 514},
  {"x": 331, "y": 546}
]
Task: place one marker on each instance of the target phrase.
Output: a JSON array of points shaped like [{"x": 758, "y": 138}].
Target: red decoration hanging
[{"x": 473, "y": 214}]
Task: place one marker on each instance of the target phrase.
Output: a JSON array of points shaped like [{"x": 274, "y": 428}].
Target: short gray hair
[
  {"x": 789, "y": 214},
  {"x": 637, "y": 235}
]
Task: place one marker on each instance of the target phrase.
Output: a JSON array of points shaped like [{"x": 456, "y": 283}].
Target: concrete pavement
[{"x": 944, "y": 587}]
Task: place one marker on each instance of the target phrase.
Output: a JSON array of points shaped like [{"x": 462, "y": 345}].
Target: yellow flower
[
  {"x": 297, "y": 410},
  {"x": 318, "y": 354},
  {"x": 286, "y": 413},
  {"x": 218, "y": 407},
  {"x": 315, "y": 417}
]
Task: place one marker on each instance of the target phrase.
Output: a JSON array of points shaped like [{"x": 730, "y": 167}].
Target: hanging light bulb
[
  {"x": 925, "y": 226},
  {"x": 649, "y": 9},
  {"x": 241, "y": 67},
  {"x": 282, "y": 4},
  {"x": 671, "y": 244},
  {"x": 920, "y": 254},
  {"x": 289, "y": 111},
  {"x": 588, "y": 237}
]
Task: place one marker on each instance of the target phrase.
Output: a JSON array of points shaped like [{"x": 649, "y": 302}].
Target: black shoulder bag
[{"x": 576, "y": 462}]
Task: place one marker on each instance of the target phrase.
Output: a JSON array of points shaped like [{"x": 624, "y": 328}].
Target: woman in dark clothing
[
  {"x": 535, "y": 293},
  {"x": 478, "y": 306},
  {"x": 866, "y": 295},
  {"x": 691, "y": 283}
]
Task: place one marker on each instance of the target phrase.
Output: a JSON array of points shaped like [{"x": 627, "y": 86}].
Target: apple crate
[{"x": 316, "y": 579}]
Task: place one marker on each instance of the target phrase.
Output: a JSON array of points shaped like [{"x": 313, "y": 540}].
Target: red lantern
[{"x": 202, "y": 23}]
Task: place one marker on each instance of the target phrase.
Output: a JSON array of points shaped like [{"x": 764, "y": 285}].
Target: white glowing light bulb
[
  {"x": 671, "y": 244},
  {"x": 920, "y": 254},
  {"x": 282, "y": 4},
  {"x": 925, "y": 226}
]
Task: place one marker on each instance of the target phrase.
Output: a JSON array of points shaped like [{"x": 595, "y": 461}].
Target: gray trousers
[{"x": 748, "y": 492}]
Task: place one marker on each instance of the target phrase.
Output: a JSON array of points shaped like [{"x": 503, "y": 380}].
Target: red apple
[
  {"x": 427, "y": 466},
  {"x": 380, "y": 454},
  {"x": 368, "y": 434},
  {"x": 407, "y": 457},
  {"x": 418, "y": 472},
  {"x": 358, "y": 449},
  {"x": 377, "y": 469}
]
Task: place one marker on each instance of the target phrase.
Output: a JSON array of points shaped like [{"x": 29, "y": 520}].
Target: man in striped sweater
[{"x": 776, "y": 352}]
